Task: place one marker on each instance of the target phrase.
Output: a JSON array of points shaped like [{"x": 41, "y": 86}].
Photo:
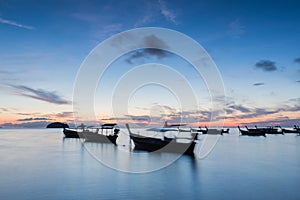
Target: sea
[{"x": 42, "y": 164}]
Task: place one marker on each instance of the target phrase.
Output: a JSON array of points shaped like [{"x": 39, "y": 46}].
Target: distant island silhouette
[{"x": 57, "y": 125}]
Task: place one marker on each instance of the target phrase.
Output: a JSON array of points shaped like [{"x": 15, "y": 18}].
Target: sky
[{"x": 254, "y": 45}]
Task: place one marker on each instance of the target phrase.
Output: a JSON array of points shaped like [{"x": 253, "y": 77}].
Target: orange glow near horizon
[{"x": 231, "y": 121}]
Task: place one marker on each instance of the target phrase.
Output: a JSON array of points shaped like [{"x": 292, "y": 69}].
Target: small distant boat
[
  {"x": 225, "y": 130},
  {"x": 106, "y": 133},
  {"x": 200, "y": 130},
  {"x": 211, "y": 131},
  {"x": 271, "y": 130},
  {"x": 296, "y": 130},
  {"x": 70, "y": 133},
  {"x": 170, "y": 127},
  {"x": 166, "y": 144},
  {"x": 252, "y": 132}
]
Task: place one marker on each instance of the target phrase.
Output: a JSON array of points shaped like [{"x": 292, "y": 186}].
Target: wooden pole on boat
[{"x": 129, "y": 132}]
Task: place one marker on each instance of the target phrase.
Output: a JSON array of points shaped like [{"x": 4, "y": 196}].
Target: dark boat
[
  {"x": 225, "y": 130},
  {"x": 211, "y": 131},
  {"x": 70, "y": 133},
  {"x": 296, "y": 130},
  {"x": 271, "y": 130},
  {"x": 251, "y": 129},
  {"x": 107, "y": 133},
  {"x": 200, "y": 130},
  {"x": 163, "y": 145},
  {"x": 170, "y": 127},
  {"x": 252, "y": 132}
]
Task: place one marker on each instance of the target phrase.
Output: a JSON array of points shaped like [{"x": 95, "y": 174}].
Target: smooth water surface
[{"x": 41, "y": 164}]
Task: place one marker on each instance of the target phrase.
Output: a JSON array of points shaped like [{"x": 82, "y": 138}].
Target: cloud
[
  {"x": 236, "y": 29},
  {"x": 146, "y": 54},
  {"x": 109, "y": 29},
  {"x": 167, "y": 13},
  {"x": 12, "y": 23},
  {"x": 38, "y": 124},
  {"x": 64, "y": 114},
  {"x": 292, "y": 105},
  {"x": 39, "y": 94},
  {"x": 282, "y": 121},
  {"x": 297, "y": 60},
  {"x": 4, "y": 109},
  {"x": 258, "y": 84},
  {"x": 298, "y": 81},
  {"x": 266, "y": 65},
  {"x": 115, "y": 119},
  {"x": 33, "y": 119},
  {"x": 150, "y": 40},
  {"x": 143, "y": 118},
  {"x": 240, "y": 108},
  {"x": 150, "y": 10}
]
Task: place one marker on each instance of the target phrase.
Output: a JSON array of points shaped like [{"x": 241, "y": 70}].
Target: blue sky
[{"x": 255, "y": 45}]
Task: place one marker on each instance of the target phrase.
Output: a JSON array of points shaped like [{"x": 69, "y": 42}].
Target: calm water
[{"x": 40, "y": 164}]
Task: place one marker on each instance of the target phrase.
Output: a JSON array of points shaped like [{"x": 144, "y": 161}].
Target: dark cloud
[
  {"x": 64, "y": 114},
  {"x": 154, "y": 41},
  {"x": 258, "y": 84},
  {"x": 297, "y": 60},
  {"x": 282, "y": 121},
  {"x": 34, "y": 119},
  {"x": 240, "y": 108},
  {"x": 266, "y": 65},
  {"x": 115, "y": 119},
  {"x": 298, "y": 81},
  {"x": 155, "y": 49},
  {"x": 38, "y": 124},
  {"x": 146, "y": 54},
  {"x": 40, "y": 94},
  {"x": 292, "y": 105},
  {"x": 144, "y": 118}
]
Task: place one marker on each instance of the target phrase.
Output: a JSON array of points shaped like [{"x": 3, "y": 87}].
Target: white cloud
[
  {"x": 109, "y": 29},
  {"x": 12, "y": 23},
  {"x": 236, "y": 29},
  {"x": 167, "y": 13}
]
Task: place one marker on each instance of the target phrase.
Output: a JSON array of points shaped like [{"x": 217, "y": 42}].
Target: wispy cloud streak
[
  {"x": 33, "y": 119},
  {"x": 167, "y": 13},
  {"x": 258, "y": 84},
  {"x": 13, "y": 23},
  {"x": 236, "y": 29},
  {"x": 39, "y": 94}
]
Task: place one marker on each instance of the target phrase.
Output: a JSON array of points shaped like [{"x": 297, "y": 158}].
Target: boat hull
[
  {"x": 95, "y": 137},
  {"x": 71, "y": 133},
  {"x": 252, "y": 133},
  {"x": 158, "y": 145},
  {"x": 91, "y": 137},
  {"x": 291, "y": 131}
]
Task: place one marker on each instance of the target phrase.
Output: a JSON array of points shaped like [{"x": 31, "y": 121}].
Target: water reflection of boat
[
  {"x": 252, "y": 132},
  {"x": 106, "y": 133},
  {"x": 174, "y": 145}
]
